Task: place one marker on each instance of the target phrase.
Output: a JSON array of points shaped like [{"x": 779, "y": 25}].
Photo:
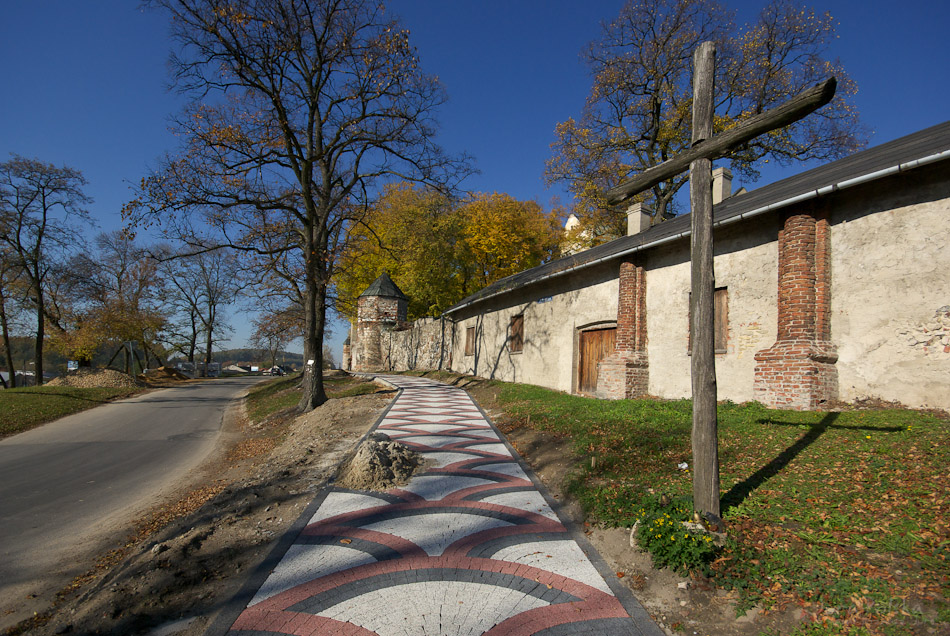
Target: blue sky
[{"x": 86, "y": 83}]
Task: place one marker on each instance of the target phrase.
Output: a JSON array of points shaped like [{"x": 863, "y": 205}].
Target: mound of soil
[
  {"x": 380, "y": 464},
  {"x": 95, "y": 378},
  {"x": 165, "y": 373}
]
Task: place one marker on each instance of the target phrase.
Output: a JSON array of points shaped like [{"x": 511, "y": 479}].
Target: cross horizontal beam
[{"x": 794, "y": 109}]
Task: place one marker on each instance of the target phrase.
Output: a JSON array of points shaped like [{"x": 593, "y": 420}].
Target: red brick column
[
  {"x": 798, "y": 371},
  {"x": 626, "y": 372}
]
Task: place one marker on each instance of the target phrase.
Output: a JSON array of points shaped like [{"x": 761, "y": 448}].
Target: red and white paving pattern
[{"x": 470, "y": 546}]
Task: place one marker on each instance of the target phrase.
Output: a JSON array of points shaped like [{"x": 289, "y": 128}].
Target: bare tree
[
  {"x": 638, "y": 111},
  {"x": 274, "y": 329},
  {"x": 201, "y": 286},
  {"x": 10, "y": 291},
  {"x": 39, "y": 205},
  {"x": 320, "y": 100}
]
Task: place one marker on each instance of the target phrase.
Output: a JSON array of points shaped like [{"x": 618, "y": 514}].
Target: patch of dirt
[
  {"x": 95, "y": 378},
  {"x": 380, "y": 464},
  {"x": 181, "y": 562}
]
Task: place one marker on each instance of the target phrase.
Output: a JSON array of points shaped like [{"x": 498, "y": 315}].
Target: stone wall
[
  {"x": 381, "y": 309},
  {"x": 555, "y": 311},
  {"x": 746, "y": 265},
  {"x": 423, "y": 345},
  {"x": 842, "y": 297},
  {"x": 890, "y": 290}
]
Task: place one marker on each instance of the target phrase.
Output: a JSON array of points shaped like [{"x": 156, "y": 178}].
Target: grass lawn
[
  {"x": 24, "y": 408},
  {"x": 846, "y": 515},
  {"x": 283, "y": 393}
]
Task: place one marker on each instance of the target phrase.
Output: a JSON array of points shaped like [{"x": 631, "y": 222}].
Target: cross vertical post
[{"x": 705, "y": 438}]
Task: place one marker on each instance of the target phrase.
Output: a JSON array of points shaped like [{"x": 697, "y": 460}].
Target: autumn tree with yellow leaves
[
  {"x": 439, "y": 250},
  {"x": 113, "y": 295},
  {"x": 638, "y": 113},
  {"x": 301, "y": 110}
]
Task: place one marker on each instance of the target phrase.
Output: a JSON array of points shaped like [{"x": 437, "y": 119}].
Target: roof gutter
[{"x": 805, "y": 196}]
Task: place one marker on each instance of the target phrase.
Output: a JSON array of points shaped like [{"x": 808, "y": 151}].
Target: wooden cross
[{"x": 706, "y": 147}]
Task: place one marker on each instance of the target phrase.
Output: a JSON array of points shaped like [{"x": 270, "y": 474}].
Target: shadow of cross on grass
[{"x": 741, "y": 491}]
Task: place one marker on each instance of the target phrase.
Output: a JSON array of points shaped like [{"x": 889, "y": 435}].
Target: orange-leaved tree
[{"x": 439, "y": 250}]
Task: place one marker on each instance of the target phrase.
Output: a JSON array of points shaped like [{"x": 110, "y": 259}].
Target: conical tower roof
[{"x": 384, "y": 286}]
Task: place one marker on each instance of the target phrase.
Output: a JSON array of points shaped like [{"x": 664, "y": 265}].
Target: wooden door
[{"x": 595, "y": 345}]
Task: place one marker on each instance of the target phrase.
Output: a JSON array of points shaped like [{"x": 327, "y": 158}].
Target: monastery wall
[
  {"x": 746, "y": 264},
  {"x": 890, "y": 301},
  {"x": 839, "y": 298},
  {"x": 424, "y": 345},
  {"x": 553, "y": 312}
]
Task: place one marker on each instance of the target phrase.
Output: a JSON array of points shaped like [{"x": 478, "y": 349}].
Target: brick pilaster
[
  {"x": 626, "y": 372},
  {"x": 798, "y": 371}
]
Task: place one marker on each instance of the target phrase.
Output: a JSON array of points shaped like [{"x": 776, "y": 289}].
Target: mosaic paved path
[{"x": 471, "y": 546}]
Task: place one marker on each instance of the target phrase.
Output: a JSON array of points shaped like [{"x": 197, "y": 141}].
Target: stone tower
[{"x": 382, "y": 307}]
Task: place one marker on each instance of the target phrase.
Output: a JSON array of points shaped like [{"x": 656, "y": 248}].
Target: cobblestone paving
[{"x": 471, "y": 546}]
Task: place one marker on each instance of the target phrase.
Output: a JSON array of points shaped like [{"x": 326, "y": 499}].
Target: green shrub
[{"x": 662, "y": 533}]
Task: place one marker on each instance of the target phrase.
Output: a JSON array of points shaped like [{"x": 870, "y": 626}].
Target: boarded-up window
[
  {"x": 470, "y": 341},
  {"x": 720, "y": 319},
  {"x": 516, "y": 333},
  {"x": 593, "y": 346},
  {"x": 721, "y": 313}
]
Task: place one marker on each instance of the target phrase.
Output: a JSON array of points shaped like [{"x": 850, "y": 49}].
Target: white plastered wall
[
  {"x": 746, "y": 264},
  {"x": 890, "y": 277},
  {"x": 550, "y": 324}
]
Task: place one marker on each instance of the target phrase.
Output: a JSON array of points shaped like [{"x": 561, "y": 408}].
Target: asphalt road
[{"x": 66, "y": 486}]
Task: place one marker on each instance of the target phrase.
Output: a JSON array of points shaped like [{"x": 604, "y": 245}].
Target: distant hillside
[{"x": 247, "y": 356}]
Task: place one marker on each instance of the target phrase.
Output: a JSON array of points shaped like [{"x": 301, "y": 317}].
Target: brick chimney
[{"x": 639, "y": 218}]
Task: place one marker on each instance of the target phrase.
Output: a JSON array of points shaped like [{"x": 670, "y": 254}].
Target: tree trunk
[
  {"x": 40, "y": 330},
  {"x": 193, "y": 343},
  {"x": 315, "y": 297},
  {"x": 7, "y": 347},
  {"x": 208, "y": 342},
  {"x": 705, "y": 427}
]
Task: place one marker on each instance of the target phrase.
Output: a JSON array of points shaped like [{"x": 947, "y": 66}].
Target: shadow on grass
[{"x": 741, "y": 491}]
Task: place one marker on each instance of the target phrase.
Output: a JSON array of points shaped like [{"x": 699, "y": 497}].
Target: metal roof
[
  {"x": 894, "y": 156},
  {"x": 384, "y": 286}
]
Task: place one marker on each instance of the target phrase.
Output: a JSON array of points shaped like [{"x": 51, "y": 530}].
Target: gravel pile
[{"x": 95, "y": 378}]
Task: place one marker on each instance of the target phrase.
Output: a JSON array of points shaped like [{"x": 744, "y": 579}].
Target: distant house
[{"x": 830, "y": 285}]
